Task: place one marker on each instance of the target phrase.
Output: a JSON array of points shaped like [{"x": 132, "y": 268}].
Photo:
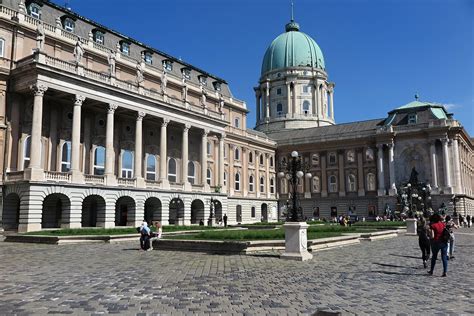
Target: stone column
[
  {"x": 138, "y": 161},
  {"x": 111, "y": 179},
  {"x": 245, "y": 174},
  {"x": 86, "y": 160},
  {"x": 77, "y": 175},
  {"x": 205, "y": 132},
  {"x": 262, "y": 103},
  {"x": 294, "y": 99},
  {"x": 457, "y": 166},
  {"x": 380, "y": 171},
  {"x": 231, "y": 178},
  {"x": 392, "y": 190},
  {"x": 288, "y": 98},
  {"x": 185, "y": 158},
  {"x": 434, "y": 170},
  {"x": 35, "y": 169},
  {"x": 324, "y": 178},
  {"x": 360, "y": 175},
  {"x": 315, "y": 98},
  {"x": 164, "y": 155},
  {"x": 342, "y": 175},
  {"x": 221, "y": 164},
  {"x": 447, "y": 169},
  {"x": 332, "y": 103},
  {"x": 257, "y": 174},
  {"x": 257, "y": 104},
  {"x": 267, "y": 174},
  {"x": 267, "y": 101},
  {"x": 15, "y": 135}
]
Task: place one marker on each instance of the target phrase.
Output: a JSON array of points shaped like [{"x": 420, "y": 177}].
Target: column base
[
  {"x": 411, "y": 226},
  {"x": 140, "y": 182},
  {"x": 24, "y": 228},
  {"x": 71, "y": 225},
  {"x": 34, "y": 174},
  {"x": 77, "y": 176},
  {"x": 296, "y": 242},
  {"x": 187, "y": 186},
  {"x": 165, "y": 184},
  {"x": 448, "y": 190},
  {"x": 106, "y": 224},
  {"x": 110, "y": 179}
]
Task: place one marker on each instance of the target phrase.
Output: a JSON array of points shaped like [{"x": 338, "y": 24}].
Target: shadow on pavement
[
  {"x": 398, "y": 273},
  {"x": 404, "y": 256}
]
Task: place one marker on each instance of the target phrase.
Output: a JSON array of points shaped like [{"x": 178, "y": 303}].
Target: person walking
[
  {"x": 225, "y": 220},
  {"x": 438, "y": 244},
  {"x": 468, "y": 219},
  {"x": 423, "y": 231},
  {"x": 451, "y": 226},
  {"x": 145, "y": 237}
]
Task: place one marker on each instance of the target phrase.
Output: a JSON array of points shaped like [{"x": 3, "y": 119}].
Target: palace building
[{"x": 101, "y": 130}]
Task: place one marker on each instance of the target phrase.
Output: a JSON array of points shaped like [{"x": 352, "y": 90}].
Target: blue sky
[{"x": 378, "y": 52}]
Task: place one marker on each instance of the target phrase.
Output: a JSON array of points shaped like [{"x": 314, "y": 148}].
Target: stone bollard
[{"x": 411, "y": 226}]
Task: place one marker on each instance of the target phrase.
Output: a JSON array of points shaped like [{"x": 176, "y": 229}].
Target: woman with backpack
[
  {"x": 450, "y": 225},
  {"x": 439, "y": 242},
  {"x": 423, "y": 231}
]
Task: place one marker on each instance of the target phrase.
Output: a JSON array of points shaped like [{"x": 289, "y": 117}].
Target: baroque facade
[
  {"x": 101, "y": 130},
  {"x": 357, "y": 167}
]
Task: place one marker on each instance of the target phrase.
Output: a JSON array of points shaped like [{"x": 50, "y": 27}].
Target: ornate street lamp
[
  {"x": 293, "y": 170},
  {"x": 211, "y": 211},
  {"x": 295, "y": 228}
]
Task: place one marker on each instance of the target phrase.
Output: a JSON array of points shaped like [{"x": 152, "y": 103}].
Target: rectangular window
[
  {"x": 187, "y": 73},
  {"x": 148, "y": 58},
  {"x": 125, "y": 48},
  {"x": 412, "y": 118},
  {"x": 2, "y": 47},
  {"x": 99, "y": 37},
  {"x": 69, "y": 25},
  {"x": 203, "y": 80},
  {"x": 279, "y": 91},
  {"x": 168, "y": 65},
  {"x": 35, "y": 11},
  {"x": 217, "y": 86}
]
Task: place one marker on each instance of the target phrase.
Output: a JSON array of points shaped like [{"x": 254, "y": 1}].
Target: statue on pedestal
[
  {"x": 139, "y": 69},
  {"x": 111, "y": 60},
  {"x": 164, "y": 82},
  {"x": 40, "y": 37},
  {"x": 78, "y": 51}
]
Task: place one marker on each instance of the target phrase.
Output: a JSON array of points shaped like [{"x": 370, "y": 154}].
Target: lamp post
[
  {"x": 293, "y": 170},
  {"x": 211, "y": 212},
  {"x": 296, "y": 247}
]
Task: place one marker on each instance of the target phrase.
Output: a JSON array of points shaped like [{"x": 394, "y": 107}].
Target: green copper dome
[{"x": 292, "y": 49}]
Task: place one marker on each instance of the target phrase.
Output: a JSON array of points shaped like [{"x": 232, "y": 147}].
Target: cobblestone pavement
[{"x": 379, "y": 277}]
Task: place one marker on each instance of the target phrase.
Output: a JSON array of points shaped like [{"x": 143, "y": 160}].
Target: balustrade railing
[
  {"x": 14, "y": 176},
  {"x": 152, "y": 184},
  {"x": 94, "y": 179},
  {"x": 57, "y": 176},
  {"x": 126, "y": 182}
]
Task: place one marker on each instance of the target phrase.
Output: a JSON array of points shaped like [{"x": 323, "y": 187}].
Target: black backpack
[{"x": 445, "y": 235}]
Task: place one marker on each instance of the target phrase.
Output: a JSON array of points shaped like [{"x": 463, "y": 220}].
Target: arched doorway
[
  {"x": 176, "y": 211},
  {"x": 56, "y": 206},
  {"x": 238, "y": 213},
  {"x": 93, "y": 210},
  {"x": 197, "y": 211},
  {"x": 264, "y": 210},
  {"x": 217, "y": 210},
  {"x": 124, "y": 208},
  {"x": 11, "y": 212},
  {"x": 152, "y": 210}
]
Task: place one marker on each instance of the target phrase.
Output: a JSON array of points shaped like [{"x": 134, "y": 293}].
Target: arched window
[
  {"x": 99, "y": 161},
  {"x": 209, "y": 148},
  {"x": 332, "y": 158},
  {"x": 225, "y": 178},
  {"x": 351, "y": 183},
  {"x": 172, "y": 170},
  {"x": 151, "y": 167},
  {"x": 370, "y": 182},
  {"x": 127, "y": 164},
  {"x": 306, "y": 106},
  {"x": 316, "y": 184},
  {"x": 237, "y": 153},
  {"x": 69, "y": 25},
  {"x": 315, "y": 160},
  {"x": 261, "y": 159},
  {"x": 26, "y": 152},
  {"x": 332, "y": 183},
  {"x": 66, "y": 157},
  {"x": 34, "y": 10},
  {"x": 209, "y": 176},
  {"x": 191, "y": 172},
  {"x": 250, "y": 157},
  {"x": 279, "y": 109},
  {"x": 262, "y": 184},
  {"x": 237, "y": 182},
  {"x": 272, "y": 185},
  {"x": 251, "y": 183}
]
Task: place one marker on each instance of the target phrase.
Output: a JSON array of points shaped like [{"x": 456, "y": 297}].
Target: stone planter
[
  {"x": 411, "y": 226},
  {"x": 296, "y": 242}
]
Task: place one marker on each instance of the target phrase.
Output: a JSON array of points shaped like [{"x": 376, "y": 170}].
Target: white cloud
[{"x": 451, "y": 106}]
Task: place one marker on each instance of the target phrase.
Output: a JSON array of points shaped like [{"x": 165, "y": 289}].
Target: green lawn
[
  {"x": 265, "y": 234},
  {"x": 111, "y": 231},
  {"x": 381, "y": 224}
]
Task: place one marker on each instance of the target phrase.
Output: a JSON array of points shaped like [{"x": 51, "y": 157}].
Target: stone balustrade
[
  {"x": 57, "y": 176},
  {"x": 14, "y": 176},
  {"x": 127, "y": 182},
  {"x": 94, "y": 179}
]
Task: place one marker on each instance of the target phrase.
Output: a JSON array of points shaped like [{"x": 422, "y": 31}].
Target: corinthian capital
[
  {"x": 112, "y": 108},
  {"x": 165, "y": 122},
  {"x": 140, "y": 116},
  {"x": 38, "y": 89},
  {"x": 79, "y": 99}
]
